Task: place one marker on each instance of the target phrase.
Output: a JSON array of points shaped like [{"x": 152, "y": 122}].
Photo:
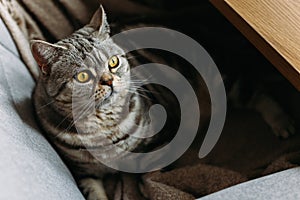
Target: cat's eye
[
  {"x": 83, "y": 77},
  {"x": 113, "y": 62}
]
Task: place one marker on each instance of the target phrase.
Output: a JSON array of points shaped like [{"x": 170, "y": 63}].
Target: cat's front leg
[
  {"x": 92, "y": 189},
  {"x": 280, "y": 122}
]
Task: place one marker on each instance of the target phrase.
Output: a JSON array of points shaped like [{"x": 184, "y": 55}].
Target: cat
[
  {"x": 62, "y": 68},
  {"x": 90, "y": 61}
]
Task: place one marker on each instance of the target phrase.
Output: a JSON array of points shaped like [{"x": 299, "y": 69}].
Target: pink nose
[{"x": 106, "y": 79}]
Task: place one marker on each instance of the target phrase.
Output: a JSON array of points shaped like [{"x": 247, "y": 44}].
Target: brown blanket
[{"x": 247, "y": 148}]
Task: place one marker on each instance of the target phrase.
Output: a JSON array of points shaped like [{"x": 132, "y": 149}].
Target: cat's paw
[
  {"x": 280, "y": 122},
  {"x": 92, "y": 189},
  {"x": 283, "y": 126}
]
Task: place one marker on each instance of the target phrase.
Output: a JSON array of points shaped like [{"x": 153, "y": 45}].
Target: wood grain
[{"x": 273, "y": 27}]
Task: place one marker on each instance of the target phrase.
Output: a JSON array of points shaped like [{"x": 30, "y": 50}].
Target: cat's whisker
[
  {"x": 85, "y": 110},
  {"x": 133, "y": 76},
  {"x": 84, "y": 107},
  {"x": 139, "y": 94},
  {"x": 61, "y": 133},
  {"x": 141, "y": 83},
  {"x": 131, "y": 57},
  {"x": 83, "y": 100},
  {"x": 44, "y": 106},
  {"x": 140, "y": 89},
  {"x": 134, "y": 88},
  {"x": 52, "y": 102},
  {"x": 144, "y": 96}
]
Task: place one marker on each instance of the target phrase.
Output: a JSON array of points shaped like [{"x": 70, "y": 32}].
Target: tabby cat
[
  {"x": 106, "y": 77},
  {"x": 63, "y": 67}
]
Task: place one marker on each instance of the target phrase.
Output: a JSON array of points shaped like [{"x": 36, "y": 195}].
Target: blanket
[{"x": 246, "y": 150}]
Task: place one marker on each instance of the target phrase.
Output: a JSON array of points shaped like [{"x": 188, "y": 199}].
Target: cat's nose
[{"x": 106, "y": 79}]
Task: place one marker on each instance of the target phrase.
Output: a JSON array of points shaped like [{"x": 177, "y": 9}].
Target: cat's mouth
[{"x": 103, "y": 95}]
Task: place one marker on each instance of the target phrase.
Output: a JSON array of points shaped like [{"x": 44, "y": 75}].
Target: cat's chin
[{"x": 107, "y": 99}]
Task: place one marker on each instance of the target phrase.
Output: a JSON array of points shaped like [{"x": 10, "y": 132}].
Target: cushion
[
  {"x": 283, "y": 185},
  {"x": 29, "y": 166}
]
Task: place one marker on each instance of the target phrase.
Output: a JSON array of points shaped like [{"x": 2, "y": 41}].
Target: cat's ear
[
  {"x": 100, "y": 24},
  {"x": 42, "y": 51}
]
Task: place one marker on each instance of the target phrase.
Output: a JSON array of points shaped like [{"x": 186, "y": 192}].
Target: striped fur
[{"x": 90, "y": 48}]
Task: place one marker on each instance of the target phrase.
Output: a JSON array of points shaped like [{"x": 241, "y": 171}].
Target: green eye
[
  {"x": 83, "y": 77},
  {"x": 113, "y": 62}
]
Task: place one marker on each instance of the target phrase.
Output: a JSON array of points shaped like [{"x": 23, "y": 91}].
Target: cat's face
[{"x": 86, "y": 66}]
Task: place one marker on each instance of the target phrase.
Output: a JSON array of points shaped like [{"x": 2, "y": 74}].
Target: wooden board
[{"x": 273, "y": 26}]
